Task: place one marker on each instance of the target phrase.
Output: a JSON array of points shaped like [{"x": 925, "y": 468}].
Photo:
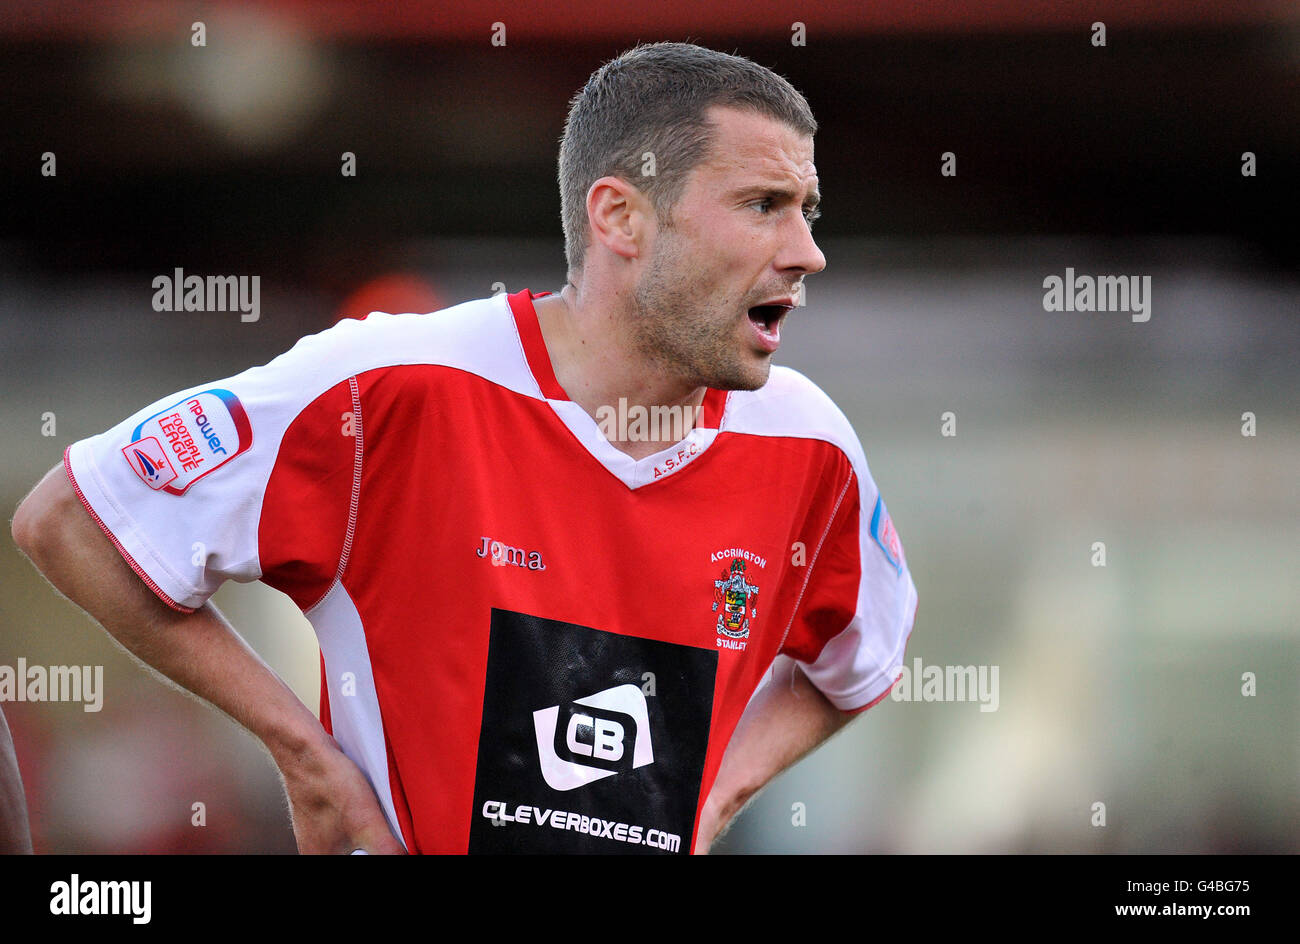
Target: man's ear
[{"x": 620, "y": 216}]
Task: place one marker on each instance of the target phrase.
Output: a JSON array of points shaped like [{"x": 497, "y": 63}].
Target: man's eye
[{"x": 764, "y": 206}]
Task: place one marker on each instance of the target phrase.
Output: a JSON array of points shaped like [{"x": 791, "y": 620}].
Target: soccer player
[{"x": 586, "y": 569}]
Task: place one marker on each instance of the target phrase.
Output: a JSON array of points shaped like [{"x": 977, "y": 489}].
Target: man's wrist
[{"x": 297, "y": 746}]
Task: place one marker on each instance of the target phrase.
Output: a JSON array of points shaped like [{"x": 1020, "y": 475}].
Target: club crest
[{"x": 731, "y": 594}]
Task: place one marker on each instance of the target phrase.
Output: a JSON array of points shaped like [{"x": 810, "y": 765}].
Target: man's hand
[
  {"x": 784, "y": 721},
  {"x": 333, "y": 806},
  {"x": 712, "y": 823}
]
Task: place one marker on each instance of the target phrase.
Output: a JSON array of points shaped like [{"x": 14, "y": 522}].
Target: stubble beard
[{"x": 675, "y": 327}]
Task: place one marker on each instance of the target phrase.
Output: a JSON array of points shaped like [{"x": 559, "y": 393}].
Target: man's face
[{"x": 721, "y": 278}]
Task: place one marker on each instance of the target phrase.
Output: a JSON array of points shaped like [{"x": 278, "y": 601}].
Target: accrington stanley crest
[{"x": 732, "y": 593}]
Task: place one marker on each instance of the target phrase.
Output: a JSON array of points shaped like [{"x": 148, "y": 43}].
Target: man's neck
[{"x": 600, "y": 370}]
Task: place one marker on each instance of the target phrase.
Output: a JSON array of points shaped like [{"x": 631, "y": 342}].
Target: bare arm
[
  {"x": 15, "y": 834},
  {"x": 784, "y": 722},
  {"x": 334, "y": 809}
]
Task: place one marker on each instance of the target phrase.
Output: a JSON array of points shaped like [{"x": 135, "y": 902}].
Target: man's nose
[{"x": 800, "y": 251}]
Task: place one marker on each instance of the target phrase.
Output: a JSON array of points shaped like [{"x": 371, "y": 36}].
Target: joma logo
[{"x": 503, "y": 555}]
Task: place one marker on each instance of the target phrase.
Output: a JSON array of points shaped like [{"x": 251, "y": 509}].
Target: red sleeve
[{"x": 304, "y": 531}]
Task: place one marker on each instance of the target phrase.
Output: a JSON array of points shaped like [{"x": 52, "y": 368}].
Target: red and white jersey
[{"x": 531, "y": 641}]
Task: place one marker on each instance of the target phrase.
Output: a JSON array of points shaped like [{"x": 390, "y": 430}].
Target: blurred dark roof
[
  {"x": 470, "y": 20},
  {"x": 228, "y": 156}
]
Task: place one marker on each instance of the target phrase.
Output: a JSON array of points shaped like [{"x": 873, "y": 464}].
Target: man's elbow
[
  {"x": 37, "y": 523},
  {"x": 25, "y": 527}
]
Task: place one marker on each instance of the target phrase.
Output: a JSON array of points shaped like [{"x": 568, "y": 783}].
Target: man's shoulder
[
  {"x": 411, "y": 337},
  {"x": 791, "y": 405},
  {"x": 786, "y": 382},
  {"x": 475, "y": 337}
]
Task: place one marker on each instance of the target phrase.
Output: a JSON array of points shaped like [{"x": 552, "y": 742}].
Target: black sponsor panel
[{"x": 574, "y": 755}]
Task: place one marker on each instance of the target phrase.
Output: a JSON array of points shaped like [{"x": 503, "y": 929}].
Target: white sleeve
[
  {"x": 179, "y": 485},
  {"x": 857, "y": 666},
  {"x": 857, "y": 603}
]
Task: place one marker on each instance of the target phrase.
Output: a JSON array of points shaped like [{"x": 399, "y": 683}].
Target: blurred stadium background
[{"x": 1120, "y": 685}]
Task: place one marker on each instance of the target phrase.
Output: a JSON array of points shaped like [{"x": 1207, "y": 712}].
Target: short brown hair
[{"x": 653, "y": 98}]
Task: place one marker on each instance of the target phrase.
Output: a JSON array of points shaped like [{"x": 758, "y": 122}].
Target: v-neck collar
[{"x": 633, "y": 472}]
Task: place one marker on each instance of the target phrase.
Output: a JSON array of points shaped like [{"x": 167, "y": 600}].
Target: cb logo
[{"x": 593, "y": 737}]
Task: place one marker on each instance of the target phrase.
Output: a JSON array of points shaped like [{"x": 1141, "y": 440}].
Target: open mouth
[
  {"x": 768, "y": 317},
  {"x": 766, "y": 320}
]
